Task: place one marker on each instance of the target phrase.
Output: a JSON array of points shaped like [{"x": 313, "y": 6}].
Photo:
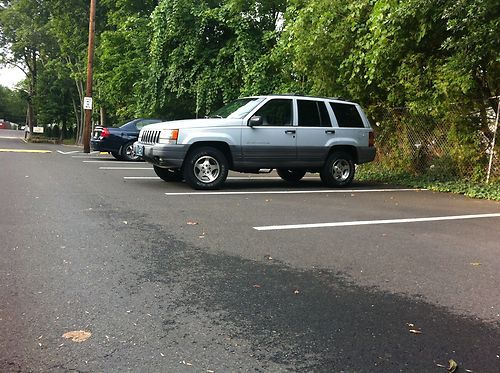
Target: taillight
[
  {"x": 104, "y": 133},
  {"x": 371, "y": 139}
]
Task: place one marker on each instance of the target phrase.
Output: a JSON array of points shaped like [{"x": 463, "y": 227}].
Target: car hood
[{"x": 193, "y": 123}]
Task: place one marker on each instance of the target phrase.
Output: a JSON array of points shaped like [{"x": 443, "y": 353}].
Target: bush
[{"x": 376, "y": 172}]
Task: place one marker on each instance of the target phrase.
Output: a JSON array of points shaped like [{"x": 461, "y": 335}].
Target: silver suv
[{"x": 292, "y": 134}]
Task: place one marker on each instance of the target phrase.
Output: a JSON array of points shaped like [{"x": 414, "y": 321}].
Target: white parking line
[
  {"x": 141, "y": 178},
  {"x": 107, "y": 160},
  {"x": 327, "y": 191},
  {"x": 90, "y": 157},
  {"x": 229, "y": 178},
  {"x": 125, "y": 168},
  {"x": 373, "y": 222},
  {"x": 70, "y": 152}
]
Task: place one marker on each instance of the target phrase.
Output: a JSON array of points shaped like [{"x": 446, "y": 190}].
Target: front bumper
[{"x": 162, "y": 155}]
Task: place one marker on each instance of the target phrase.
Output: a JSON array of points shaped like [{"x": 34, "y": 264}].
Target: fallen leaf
[
  {"x": 475, "y": 264},
  {"x": 189, "y": 222},
  {"x": 452, "y": 367},
  {"x": 268, "y": 257},
  {"x": 296, "y": 291},
  {"x": 415, "y": 331},
  {"x": 77, "y": 335},
  {"x": 256, "y": 286},
  {"x": 125, "y": 222},
  {"x": 410, "y": 325}
]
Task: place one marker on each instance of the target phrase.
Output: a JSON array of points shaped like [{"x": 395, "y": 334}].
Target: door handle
[
  {"x": 290, "y": 131},
  {"x": 330, "y": 131}
]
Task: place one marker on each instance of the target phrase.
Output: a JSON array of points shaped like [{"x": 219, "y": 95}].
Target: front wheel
[
  {"x": 168, "y": 174},
  {"x": 205, "y": 168},
  {"x": 338, "y": 170},
  {"x": 290, "y": 175}
]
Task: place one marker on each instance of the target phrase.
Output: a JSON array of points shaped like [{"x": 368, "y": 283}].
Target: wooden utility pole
[{"x": 88, "y": 94}]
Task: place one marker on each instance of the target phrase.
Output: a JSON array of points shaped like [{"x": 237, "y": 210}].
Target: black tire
[
  {"x": 168, "y": 174},
  {"x": 117, "y": 156},
  {"x": 128, "y": 153},
  {"x": 205, "y": 168},
  {"x": 338, "y": 170},
  {"x": 290, "y": 175}
]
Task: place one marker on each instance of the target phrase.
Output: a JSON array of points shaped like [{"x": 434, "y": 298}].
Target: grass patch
[
  {"x": 69, "y": 142},
  {"x": 377, "y": 173},
  {"x": 43, "y": 140}
]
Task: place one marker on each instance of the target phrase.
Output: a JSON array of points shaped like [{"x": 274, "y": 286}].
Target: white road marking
[
  {"x": 125, "y": 168},
  {"x": 141, "y": 178},
  {"x": 90, "y": 157},
  {"x": 71, "y": 152},
  {"x": 107, "y": 160},
  {"x": 374, "y": 222},
  {"x": 229, "y": 178},
  {"x": 326, "y": 191},
  {"x": 10, "y": 137}
]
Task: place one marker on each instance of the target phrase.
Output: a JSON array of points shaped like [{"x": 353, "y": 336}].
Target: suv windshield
[{"x": 237, "y": 109}]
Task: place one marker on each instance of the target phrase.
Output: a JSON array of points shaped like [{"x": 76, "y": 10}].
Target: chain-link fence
[{"x": 454, "y": 146}]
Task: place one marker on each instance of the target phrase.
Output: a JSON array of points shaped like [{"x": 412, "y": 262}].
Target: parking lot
[{"x": 262, "y": 275}]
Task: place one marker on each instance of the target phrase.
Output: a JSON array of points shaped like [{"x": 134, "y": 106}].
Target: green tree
[
  {"x": 12, "y": 105},
  {"x": 210, "y": 51},
  {"x": 23, "y": 39},
  {"x": 122, "y": 58}
]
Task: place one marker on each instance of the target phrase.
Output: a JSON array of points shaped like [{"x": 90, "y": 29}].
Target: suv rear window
[
  {"x": 313, "y": 114},
  {"x": 347, "y": 115}
]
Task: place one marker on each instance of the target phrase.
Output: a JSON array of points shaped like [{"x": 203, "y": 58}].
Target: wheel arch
[
  {"x": 349, "y": 149},
  {"x": 219, "y": 145}
]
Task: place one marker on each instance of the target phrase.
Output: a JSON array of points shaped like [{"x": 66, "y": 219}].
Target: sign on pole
[{"x": 87, "y": 103}]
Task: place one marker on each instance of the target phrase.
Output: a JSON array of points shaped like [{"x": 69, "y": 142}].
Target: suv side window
[
  {"x": 313, "y": 114},
  {"x": 347, "y": 115},
  {"x": 276, "y": 113}
]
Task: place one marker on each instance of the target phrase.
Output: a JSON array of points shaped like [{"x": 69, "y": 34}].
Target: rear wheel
[
  {"x": 290, "y": 175},
  {"x": 128, "y": 153},
  {"x": 338, "y": 170},
  {"x": 168, "y": 174},
  {"x": 205, "y": 168}
]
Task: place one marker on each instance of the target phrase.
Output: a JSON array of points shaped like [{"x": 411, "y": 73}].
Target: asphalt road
[{"x": 167, "y": 280}]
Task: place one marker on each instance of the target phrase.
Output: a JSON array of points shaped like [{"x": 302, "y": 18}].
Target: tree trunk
[{"x": 103, "y": 116}]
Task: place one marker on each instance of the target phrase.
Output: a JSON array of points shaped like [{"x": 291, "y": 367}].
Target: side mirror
[{"x": 255, "y": 121}]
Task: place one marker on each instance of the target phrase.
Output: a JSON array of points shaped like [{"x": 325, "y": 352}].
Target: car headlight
[{"x": 169, "y": 136}]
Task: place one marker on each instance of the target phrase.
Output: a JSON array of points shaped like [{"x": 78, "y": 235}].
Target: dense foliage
[
  {"x": 183, "y": 58},
  {"x": 12, "y": 107}
]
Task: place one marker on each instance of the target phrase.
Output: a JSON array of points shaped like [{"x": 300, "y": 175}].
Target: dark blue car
[{"x": 119, "y": 141}]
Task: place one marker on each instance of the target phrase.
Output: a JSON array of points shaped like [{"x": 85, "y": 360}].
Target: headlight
[{"x": 169, "y": 136}]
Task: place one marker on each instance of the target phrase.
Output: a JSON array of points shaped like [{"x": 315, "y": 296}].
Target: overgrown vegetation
[{"x": 379, "y": 173}]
